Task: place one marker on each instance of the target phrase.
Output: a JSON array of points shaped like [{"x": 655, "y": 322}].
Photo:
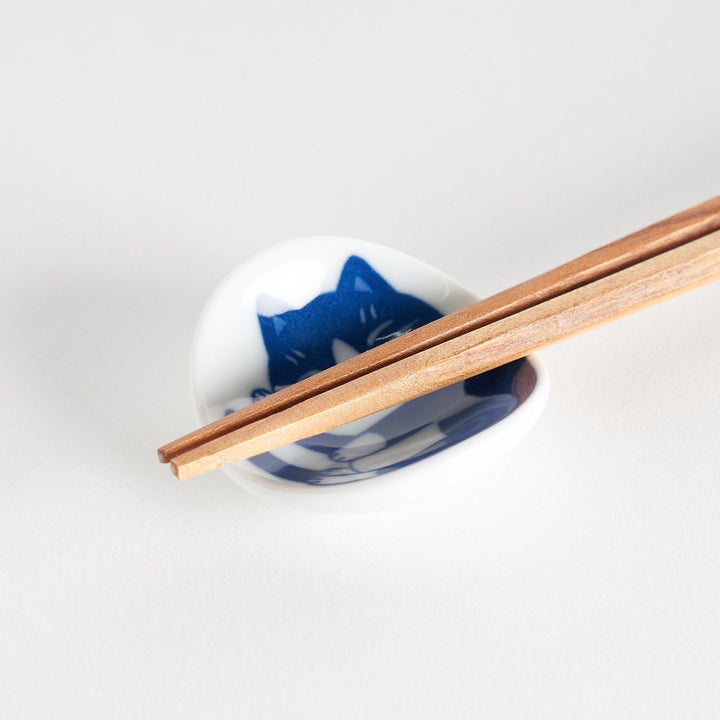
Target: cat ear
[
  {"x": 270, "y": 313},
  {"x": 271, "y": 327},
  {"x": 358, "y": 276}
]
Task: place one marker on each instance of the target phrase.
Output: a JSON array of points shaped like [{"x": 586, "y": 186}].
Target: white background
[{"x": 148, "y": 147}]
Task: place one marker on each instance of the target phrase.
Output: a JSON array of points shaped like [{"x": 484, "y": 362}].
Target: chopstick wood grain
[
  {"x": 629, "y": 250},
  {"x": 616, "y": 295}
]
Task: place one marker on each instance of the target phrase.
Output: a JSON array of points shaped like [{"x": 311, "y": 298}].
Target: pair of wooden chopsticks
[{"x": 653, "y": 264}]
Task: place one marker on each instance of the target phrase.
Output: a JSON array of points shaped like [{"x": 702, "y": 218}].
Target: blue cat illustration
[{"x": 362, "y": 312}]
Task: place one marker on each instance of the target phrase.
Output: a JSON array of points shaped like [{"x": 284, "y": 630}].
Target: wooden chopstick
[
  {"x": 643, "y": 284},
  {"x": 657, "y": 238}
]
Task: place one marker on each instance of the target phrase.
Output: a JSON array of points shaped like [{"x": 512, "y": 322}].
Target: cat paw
[
  {"x": 336, "y": 471},
  {"x": 363, "y": 445}
]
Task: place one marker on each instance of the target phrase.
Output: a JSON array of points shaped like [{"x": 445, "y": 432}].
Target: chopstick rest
[
  {"x": 641, "y": 245},
  {"x": 614, "y": 295}
]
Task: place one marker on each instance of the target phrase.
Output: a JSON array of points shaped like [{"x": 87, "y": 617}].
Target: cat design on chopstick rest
[{"x": 362, "y": 312}]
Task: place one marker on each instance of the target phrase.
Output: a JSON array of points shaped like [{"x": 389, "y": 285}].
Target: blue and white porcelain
[{"x": 304, "y": 305}]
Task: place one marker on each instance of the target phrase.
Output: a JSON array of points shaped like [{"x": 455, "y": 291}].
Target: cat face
[{"x": 362, "y": 312}]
